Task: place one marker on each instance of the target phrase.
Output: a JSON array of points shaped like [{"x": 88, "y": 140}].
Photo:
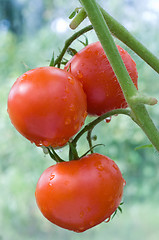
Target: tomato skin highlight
[
  {"x": 92, "y": 68},
  {"x": 80, "y": 194},
  {"x": 47, "y": 106}
]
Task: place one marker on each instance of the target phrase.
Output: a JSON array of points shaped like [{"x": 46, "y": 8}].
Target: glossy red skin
[
  {"x": 80, "y": 194},
  {"x": 47, "y": 106},
  {"x": 92, "y": 68}
]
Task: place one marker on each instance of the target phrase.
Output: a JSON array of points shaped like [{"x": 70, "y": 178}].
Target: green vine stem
[
  {"x": 67, "y": 44},
  {"x": 126, "y": 37},
  {"x": 120, "y": 32},
  {"x": 139, "y": 111},
  {"x": 54, "y": 155},
  {"x": 89, "y": 139},
  {"x": 91, "y": 125}
]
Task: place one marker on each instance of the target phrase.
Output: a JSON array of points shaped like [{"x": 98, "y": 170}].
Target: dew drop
[
  {"x": 45, "y": 143},
  {"x": 92, "y": 223},
  {"x": 71, "y": 80},
  {"x": 50, "y": 184},
  {"x": 79, "y": 74},
  {"x": 67, "y": 89},
  {"x": 110, "y": 199},
  {"x": 108, "y": 219},
  {"x": 67, "y": 121},
  {"x": 76, "y": 126},
  {"x": 52, "y": 176},
  {"x": 64, "y": 99},
  {"x": 124, "y": 182},
  {"x": 81, "y": 229},
  {"x": 72, "y": 107},
  {"x": 81, "y": 214},
  {"x": 115, "y": 166},
  {"x": 99, "y": 166},
  {"x": 108, "y": 119},
  {"x": 38, "y": 144},
  {"x": 75, "y": 117},
  {"x": 85, "y": 114}
]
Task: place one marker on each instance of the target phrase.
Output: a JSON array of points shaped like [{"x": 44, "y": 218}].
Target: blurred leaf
[
  {"x": 72, "y": 15},
  {"x": 71, "y": 51},
  {"x": 144, "y": 146}
]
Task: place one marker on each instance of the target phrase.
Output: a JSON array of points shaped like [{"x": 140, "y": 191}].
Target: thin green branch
[
  {"x": 92, "y": 124},
  {"x": 89, "y": 139},
  {"x": 54, "y": 155},
  {"x": 68, "y": 43}
]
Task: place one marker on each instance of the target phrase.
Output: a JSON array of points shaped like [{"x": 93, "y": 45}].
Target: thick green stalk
[
  {"x": 139, "y": 111},
  {"x": 126, "y": 37},
  {"x": 109, "y": 47}
]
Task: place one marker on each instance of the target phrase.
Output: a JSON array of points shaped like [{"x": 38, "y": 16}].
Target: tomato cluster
[{"x": 48, "y": 106}]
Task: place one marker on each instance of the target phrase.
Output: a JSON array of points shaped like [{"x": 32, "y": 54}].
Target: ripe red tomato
[
  {"x": 80, "y": 194},
  {"x": 92, "y": 68},
  {"x": 47, "y": 106}
]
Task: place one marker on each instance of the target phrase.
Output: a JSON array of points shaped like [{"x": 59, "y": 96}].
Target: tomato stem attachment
[
  {"x": 90, "y": 150},
  {"x": 73, "y": 154},
  {"x": 54, "y": 155}
]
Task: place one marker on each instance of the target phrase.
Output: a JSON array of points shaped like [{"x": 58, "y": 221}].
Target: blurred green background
[{"x": 29, "y": 32}]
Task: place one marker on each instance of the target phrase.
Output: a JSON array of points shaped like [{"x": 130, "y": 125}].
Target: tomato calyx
[{"x": 119, "y": 209}]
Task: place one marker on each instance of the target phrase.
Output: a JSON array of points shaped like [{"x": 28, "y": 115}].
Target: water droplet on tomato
[
  {"x": 115, "y": 166},
  {"x": 23, "y": 77},
  {"x": 71, "y": 80},
  {"x": 110, "y": 199},
  {"x": 64, "y": 98},
  {"x": 38, "y": 144},
  {"x": 72, "y": 107},
  {"x": 50, "y": 184},
  {"x": 81, "y": 229},
  {"x": 92, "y": 223},
  {"x": 85, "y": 114},
  {"x": 124, "y": 182},
  {"x": 52, "y": 176},
  {"x": 99, "y": 166},
  {"x": 81, "y": 214},
  {"x": 67, "y": 121},
  {"x": 108, "y": 119},
  {"x": 75, "y": 117},
  {"x": 45, "y": 143},
  {"x": 79, "y": 74},
  {"x": 76, "y": 126},
  {"x": 67, "y": 89},
  {"x": 108, "y": 219}
]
